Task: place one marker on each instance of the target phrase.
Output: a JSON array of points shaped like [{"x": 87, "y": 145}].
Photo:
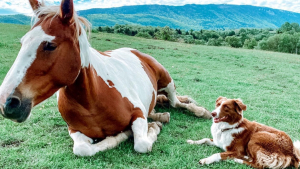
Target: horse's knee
[
  {"x": 83, "y": 149},
  {"x": 142, "y": 145},
  {"x": 82, "y": 144}
]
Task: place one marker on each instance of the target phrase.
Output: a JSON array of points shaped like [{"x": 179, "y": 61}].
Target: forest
[{"x": 284, "y": 39}]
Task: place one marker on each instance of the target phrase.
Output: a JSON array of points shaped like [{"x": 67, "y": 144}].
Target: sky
[{"x": 22, "y": 6}]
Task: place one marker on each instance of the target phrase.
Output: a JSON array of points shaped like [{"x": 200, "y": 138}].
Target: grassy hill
[
  {"x": 267, "y": 82},
  {"x": 183, "y": 17}
]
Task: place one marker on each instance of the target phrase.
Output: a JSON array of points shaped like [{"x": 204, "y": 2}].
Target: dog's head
[{"x": 228, "y": 110}]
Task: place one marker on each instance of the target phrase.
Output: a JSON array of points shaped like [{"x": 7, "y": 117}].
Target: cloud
[{"x": 22, "y": 6}]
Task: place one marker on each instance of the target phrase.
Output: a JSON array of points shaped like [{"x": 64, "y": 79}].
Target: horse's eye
[{"x": 49, "y": 46}]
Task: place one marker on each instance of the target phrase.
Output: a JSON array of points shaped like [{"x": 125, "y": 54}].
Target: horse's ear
[
  {"x": 66, "y": 10},
  {"x": 35, "y": 4}
]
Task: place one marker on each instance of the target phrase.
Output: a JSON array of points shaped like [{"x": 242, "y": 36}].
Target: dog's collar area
[{"x": 226, "y": 129}]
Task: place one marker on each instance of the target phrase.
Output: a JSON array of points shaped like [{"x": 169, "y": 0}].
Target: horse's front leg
[
  {"x": 83, "y": 145},
  {"x": 144, "y": 134}
]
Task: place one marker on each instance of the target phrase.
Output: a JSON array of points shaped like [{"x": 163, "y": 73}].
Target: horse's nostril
[{"x": 13, "y": 102}]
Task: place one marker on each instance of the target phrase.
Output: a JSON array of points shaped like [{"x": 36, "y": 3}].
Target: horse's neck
[{"x": 87, "y": 89}]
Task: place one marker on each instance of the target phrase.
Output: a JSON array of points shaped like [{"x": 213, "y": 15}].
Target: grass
[{"x": 267, "y": 82}]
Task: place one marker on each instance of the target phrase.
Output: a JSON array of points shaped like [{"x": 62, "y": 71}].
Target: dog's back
[{"x": 272, "y": 148}]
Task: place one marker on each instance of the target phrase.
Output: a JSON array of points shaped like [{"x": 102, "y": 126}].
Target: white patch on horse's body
[
  {"x": 83, "y": 145},
  {"x": 123, "y": 69},
  {"x": 141, "y": 142},
  {"x": 30, "y": 43},
  {"x": 221, "y": 138},
  {"x": 170, "y": 89}
]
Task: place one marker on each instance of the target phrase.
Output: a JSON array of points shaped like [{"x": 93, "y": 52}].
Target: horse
[{"x": 101, "y": 95}]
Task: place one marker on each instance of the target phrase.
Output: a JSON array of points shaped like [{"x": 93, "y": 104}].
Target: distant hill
[
  {"x": 184, "y": 17},
  {"x": 15, "y": 19}
]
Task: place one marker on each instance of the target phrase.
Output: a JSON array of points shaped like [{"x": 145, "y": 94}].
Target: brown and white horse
[{"x": 101, "y": 95}]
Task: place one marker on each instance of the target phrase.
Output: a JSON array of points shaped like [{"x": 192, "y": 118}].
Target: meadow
[{"x": 267, "y": 82}]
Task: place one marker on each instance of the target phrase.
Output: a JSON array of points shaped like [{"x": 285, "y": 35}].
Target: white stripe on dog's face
[
  {"x": 218, "y": 110},
  {"x": 27, "y": 54}
]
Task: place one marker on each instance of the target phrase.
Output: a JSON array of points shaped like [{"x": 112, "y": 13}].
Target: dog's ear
[
  {"x": 220, "y": 99},
  {"x": 240, "y": 106}
]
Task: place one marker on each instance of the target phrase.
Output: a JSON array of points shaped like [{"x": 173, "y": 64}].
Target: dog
[{"x": 248, "y": 142}]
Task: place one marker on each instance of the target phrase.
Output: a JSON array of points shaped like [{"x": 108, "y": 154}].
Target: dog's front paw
[
  {"x": 190, "y": 141},
  {"x": 211, "y": 159},
  {"x": 204, "y": 161}
]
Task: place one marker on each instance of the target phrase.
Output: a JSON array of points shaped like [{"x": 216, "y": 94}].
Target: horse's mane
[{"x": 46, "y": 12}]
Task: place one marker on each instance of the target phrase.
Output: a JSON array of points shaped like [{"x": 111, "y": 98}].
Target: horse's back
[{"x": 158, "y": 75}]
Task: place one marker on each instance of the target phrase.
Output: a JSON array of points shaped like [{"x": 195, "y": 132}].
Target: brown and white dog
[{"x": 248, "y": 142}]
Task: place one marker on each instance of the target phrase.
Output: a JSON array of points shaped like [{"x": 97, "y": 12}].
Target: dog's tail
[
  {"x": 297, "y": 144},
  {"x": 297, "y": 150}
]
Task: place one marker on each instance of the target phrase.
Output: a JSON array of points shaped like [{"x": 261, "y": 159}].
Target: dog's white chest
[{"x": 222, "y": 134}]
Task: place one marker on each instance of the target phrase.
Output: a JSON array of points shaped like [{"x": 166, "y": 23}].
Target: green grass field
[{"x": 267, "y": 82}]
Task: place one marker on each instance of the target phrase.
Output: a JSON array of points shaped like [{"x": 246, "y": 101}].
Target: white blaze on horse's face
[
  {"x": 48, "y": 60},
  {"x": 30, "y": 44}
]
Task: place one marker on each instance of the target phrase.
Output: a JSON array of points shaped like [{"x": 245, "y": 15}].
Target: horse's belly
[{"x": 98, "y": 126}]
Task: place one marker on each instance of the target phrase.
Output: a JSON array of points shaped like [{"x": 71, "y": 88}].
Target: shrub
[
  {"x": 143, "y": 35},
  {"x": 250, "y": 43},
  {"x": 233, "y": 41}
]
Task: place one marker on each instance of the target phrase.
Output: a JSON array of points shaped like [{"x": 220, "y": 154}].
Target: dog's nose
[{"x": 214, "y": 114}]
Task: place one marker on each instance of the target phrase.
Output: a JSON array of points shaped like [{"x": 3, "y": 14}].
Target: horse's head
[{"x": 49, "y": 59}]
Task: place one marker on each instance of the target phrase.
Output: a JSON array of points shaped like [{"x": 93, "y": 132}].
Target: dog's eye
[
  {"x": 226, "y": 107},
  {"x": 48, "y": 46}
]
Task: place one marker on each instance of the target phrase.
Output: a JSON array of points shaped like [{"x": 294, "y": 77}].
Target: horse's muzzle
[{"x": 16, "y": 109}]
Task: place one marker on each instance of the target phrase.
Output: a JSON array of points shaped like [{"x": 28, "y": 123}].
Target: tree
[
  {"x": 144, "y": 35},
  {"x": 286, "y": 27},
  {"x": 263, "y": 45},
  {"x": 287, "y": 43},
  {"x": 297, "y": 47},
  {"x": 250, "y": 43},
  {"x": 233, "y": 41},
  {"x": 295, "y": 27},
  {"x": 215, "y": 42},
  {"x": 189, "y": 39},
  {"x": 231, "y": 33},
  {"x": 164, "y": 33}
]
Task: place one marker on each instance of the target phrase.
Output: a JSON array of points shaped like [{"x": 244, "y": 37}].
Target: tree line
[{"x": 284, "y": 39}]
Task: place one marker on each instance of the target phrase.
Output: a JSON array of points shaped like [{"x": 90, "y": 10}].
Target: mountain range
[{"x": 184, "y": 17}]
